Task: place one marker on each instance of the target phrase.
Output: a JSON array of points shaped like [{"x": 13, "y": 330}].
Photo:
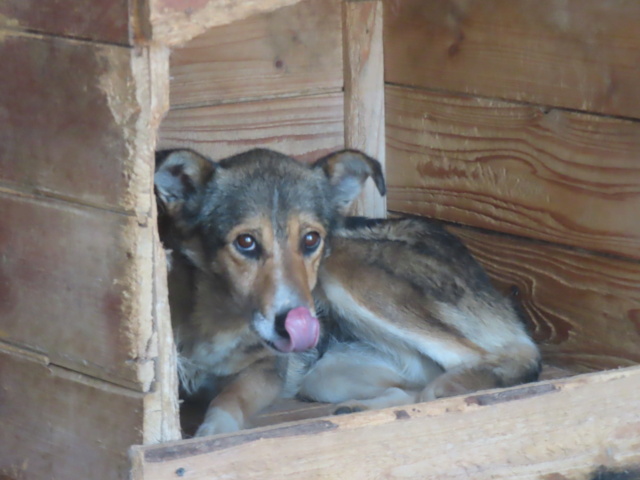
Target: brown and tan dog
[{"x": 275, "y": 292}]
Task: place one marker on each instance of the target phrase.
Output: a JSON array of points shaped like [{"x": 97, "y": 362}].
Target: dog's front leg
[{"x": 254, "y": 389}]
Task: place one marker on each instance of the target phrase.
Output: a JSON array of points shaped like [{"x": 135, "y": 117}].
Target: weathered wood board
[
  {"x": 69, "y": 287},
  {"x": 56, "y": 423},
  {"x": 582, "y": 308},
  {"x": 364, "y": 92},
  {"x": 175, "y": 22},
  {"x": 294, "y": 50},
  {"x": 111, "y": 21},
  {"x": 579, "y": 54},
  {"x": 305, "y": 127},
  {"x": 68, "y": 111},
  {"x": 564, "y": 177},
  {"x": 526, "y": 432}
]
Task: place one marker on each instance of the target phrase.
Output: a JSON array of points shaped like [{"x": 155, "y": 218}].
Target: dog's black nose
[{"x": 279, "y": 325}]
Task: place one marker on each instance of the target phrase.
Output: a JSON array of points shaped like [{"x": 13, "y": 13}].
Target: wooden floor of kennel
[{"x": 515, "y": 121}]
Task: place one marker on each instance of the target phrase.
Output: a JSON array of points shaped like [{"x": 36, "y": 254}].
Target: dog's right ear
[{"x": 179, "y": 178}]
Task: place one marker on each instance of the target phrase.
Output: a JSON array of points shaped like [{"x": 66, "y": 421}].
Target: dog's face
[{"x": 260, "y": 223}]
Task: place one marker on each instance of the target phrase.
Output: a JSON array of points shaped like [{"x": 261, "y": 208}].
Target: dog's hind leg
[{"x": 357, "y": 377}]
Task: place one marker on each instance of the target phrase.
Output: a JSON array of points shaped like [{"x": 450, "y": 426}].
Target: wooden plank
[
  {"x": 579, "y": 54},
  {"x": 554, "y": 175},
  {"x": 175, "y": 22},
  {"x": 71, "y": 287},
  {"x": 526, "y": 433},
  {"x": 105, "y": 21},
  {"x": 583, "y": 309},
  {"x": 60, "y": 424},
  {"x": 305, "y": 127},
  {"x": 364, "y": 92},
  {"x": 294, "y": 50},
  {"x": 69, "y": 111}
]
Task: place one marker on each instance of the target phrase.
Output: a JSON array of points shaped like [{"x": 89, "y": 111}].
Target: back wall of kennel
[{"x": 513, "y": 121}]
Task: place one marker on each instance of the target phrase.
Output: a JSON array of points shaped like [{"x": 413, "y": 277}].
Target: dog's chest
[{"x": 225, "y": 353}]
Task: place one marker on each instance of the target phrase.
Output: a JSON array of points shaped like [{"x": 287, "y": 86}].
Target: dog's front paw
[{"x": 218, "y": 421}]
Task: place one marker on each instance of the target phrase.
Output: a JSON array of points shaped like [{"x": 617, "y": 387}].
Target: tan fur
[{"x": 407, "y": 314}]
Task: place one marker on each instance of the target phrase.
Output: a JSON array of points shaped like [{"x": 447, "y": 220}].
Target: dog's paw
[
  {"x": 218, "y": 421},
  {"x": 349, "y": 408},
  {"x": 442, "y": 387}
]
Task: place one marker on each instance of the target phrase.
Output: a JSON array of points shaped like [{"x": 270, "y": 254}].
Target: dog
[{"x": 275, "y": 291}]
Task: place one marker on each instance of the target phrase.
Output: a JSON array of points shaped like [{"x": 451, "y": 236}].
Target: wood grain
[
  {"x": 70, "y": 288},
  {"x": 304, "y": 127},
  {"x": 60, "y": 424},
  {"x": 68, "y": 112},
  {"x": 364, "y": 92},
  {"x": 554, "y": 175},
  {"x": 579, "y": 54},
  {"x": 292, "y": 51},
  {"x": 583, "y": 309},
  {"x": 104, "y": 21},
  {"x": 175, "y": 22},
  {"x": 528, "y": 434}
]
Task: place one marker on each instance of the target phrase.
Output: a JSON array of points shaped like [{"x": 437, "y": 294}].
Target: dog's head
[{"x": 261, "y": 223}]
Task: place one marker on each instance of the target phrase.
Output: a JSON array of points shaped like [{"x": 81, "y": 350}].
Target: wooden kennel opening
[{"x": 515, "y": 121}]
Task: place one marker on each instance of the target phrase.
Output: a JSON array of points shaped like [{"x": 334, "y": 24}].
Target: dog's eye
[
  {"x": 311, "y": 241},
  {"x": 246, "y": 244}
]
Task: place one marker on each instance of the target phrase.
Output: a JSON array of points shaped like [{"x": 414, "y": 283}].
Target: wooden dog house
[{"x": 517, "y": 121}]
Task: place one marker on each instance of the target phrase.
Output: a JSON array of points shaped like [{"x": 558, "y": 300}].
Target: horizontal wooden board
[
  {"x": 293, "y": 50},
  {"x": 175, "y": 22},
  {"x": 580, "y": 54},
  {"x": 69, "y": 287},
  {"x": 60, "y": 424},
  {"x": 583, "y": 309},
  {"x": 526, "y": 433},
  {"x": 564, "y": 177},
  {"x": 68, "y": 112},
  {"x": 305, "y": 127},
  {"x": 106, "y": 20}
]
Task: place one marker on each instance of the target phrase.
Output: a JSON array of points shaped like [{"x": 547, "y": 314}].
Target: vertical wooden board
[
  {"x": 69, "y": 287},
  {"x": 293, "y": 50},
  {"x": 364, "y": 92},
  {"x": 68, "y": 111},
  {"x": 105, "y": 21},
  {"x": 560, "y": 176},
  {"x": 580, "y": 54},
  {"x": 527, "y": 433},
  {"x": 583, "y": 309},
  {"x": 60, "y": 424},
  {"x": 304, "y": 127}
]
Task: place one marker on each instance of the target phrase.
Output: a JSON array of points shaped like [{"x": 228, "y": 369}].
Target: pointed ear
[
  {"x": 179, "y": 178},
  {"x": 347, "y": 171}
]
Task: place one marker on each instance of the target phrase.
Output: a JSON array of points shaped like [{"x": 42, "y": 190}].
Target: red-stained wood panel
[
  {"x": 68, "y": 112},
  {"x": 293, "y": 50},
  {"x": 564, "y": 177},
  {"x": 104, "y": 20},
  {"x": 68, "y": 286},
  {"x": 579, "y": 54},
  {"x": 60, "y": 424},
  {"x": 305, "y": 127}
]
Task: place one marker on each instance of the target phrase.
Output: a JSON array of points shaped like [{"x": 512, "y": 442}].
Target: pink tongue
[{"x": 303, "y": 329}]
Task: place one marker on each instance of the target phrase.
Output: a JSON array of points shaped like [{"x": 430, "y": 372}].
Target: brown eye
[
  {"x": 310, "y": 242},
  {"x": 245, "y": 243}
]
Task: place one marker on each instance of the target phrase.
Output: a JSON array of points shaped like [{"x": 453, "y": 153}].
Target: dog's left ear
[{"x": 347, "y": 170}]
